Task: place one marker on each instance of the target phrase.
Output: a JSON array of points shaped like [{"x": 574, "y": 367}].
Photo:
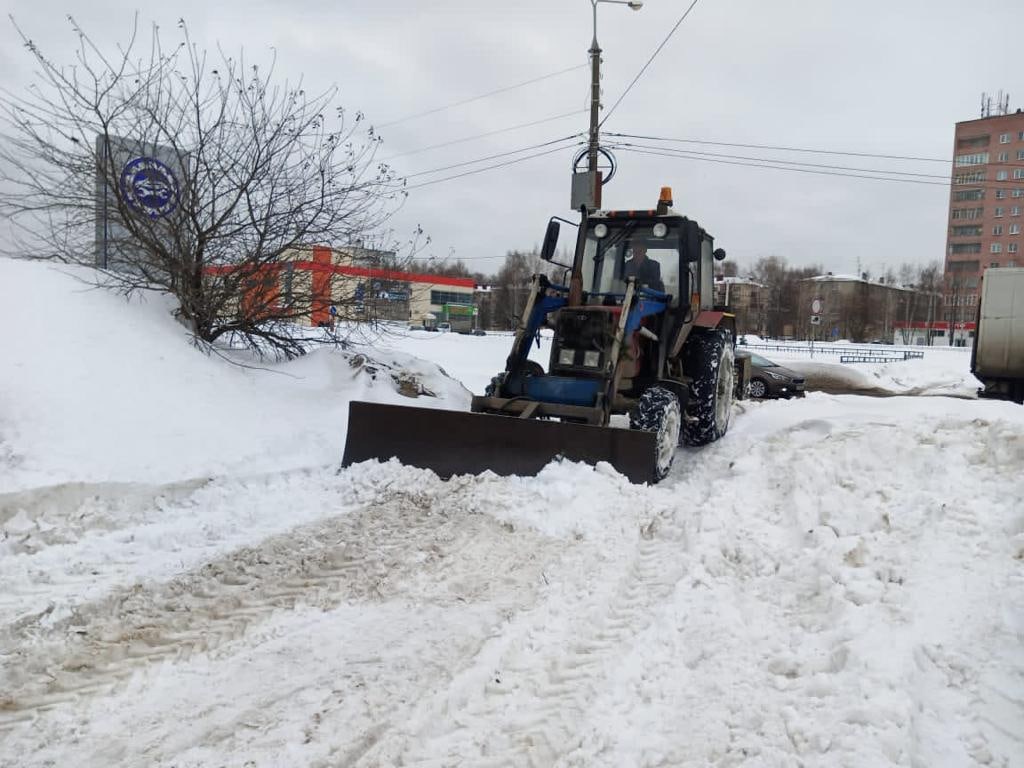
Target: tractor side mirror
[
  {"x": 691, "y": 240},
  {"x": 547, "y": 251},
  {"x": 719, "y": 254}
]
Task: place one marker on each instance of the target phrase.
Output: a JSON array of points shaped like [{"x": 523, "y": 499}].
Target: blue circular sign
[{"x": 149, "y": 187}]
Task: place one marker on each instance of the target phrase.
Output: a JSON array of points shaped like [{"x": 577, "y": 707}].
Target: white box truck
[{"x": 998, "y": 356}]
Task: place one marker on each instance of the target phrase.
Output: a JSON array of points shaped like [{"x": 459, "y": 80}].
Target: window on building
[
  {"x": 997, "y": 230},
  {"x": 1015, "y": 211},
  {"x": 973, "y": 142},
  {"x": 1020, "y": 136},
  {"x": 1003, "y": 157},
  {"x": 1018, "y": 173},
  {"x": 968, "y": 194},
  {"x": 1020, "y": 154},
  {"x": 450, "y": 297},
  {"x": 1004, "y": 138},
  {"x": 968, "y": 213},
  {"x": 974, "y": 177},
  {"x": 1002, "y": 175},
  {"x": 978, "y": 158},
  {"x": 1000, "y": 194},
  {"x": 996, "y": 248},
  {"x": 1011, "y": 248},
  {"x": 971, "y": 231},
  {"x": 999, "y": 212},
  {"x": 957, "y": 249},
  {"x": 1017, "y": 193},
  {"x": 1015, "y": 229}
]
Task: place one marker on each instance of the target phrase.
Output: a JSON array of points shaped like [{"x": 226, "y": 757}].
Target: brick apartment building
[{"x": 985, "y": 210}]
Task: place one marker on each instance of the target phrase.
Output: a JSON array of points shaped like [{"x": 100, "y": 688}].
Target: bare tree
[
  {"x": 929, "y": 282},
  {"x": 217, "y": 180}
]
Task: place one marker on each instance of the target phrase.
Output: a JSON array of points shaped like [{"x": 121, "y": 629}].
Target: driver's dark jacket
[{"x": 648, "y": 273}]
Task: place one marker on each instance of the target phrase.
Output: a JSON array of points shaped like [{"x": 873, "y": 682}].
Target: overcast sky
[{"x": 872, "y": 76}]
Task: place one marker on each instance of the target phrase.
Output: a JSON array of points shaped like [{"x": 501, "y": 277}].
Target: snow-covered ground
[{"x": 188, "y": 580}]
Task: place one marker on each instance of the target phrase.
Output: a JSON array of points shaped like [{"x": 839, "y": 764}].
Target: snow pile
[
  {"x": 474, "y": 360},
  {"x": 93, "y": 388}
]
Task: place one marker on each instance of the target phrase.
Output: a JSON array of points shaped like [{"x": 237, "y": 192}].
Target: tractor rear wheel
[
  {"x": 658, "y": 411},
  {"x": 709, "y": 360}
]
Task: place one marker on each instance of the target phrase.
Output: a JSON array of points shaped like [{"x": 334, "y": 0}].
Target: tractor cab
[{"x": 618, "y": 248}]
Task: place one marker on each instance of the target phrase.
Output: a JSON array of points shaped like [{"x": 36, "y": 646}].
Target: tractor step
[{"x": 458, "y": 443}]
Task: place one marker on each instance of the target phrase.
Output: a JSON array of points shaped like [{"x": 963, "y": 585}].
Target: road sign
[
  {"x": 333, "y": 310},
  {"x": 816, "y": 306},
  {"x": 815, "y": 319}
]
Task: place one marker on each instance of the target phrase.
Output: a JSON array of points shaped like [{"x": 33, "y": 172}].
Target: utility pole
[
  {"x": 586, "y": 188},
  {"x": 595, "y": 96}
]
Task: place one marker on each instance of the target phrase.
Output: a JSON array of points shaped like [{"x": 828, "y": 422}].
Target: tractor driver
[{"x": 646, "y": 271}]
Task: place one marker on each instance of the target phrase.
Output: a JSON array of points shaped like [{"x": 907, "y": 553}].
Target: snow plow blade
[{"x": 460, "y": 443}]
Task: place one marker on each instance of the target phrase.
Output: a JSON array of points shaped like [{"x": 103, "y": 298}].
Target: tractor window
[{"x": 630, "y": 249}]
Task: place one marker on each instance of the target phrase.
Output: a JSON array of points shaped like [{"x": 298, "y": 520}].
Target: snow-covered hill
[
  {"x": 94, "y": 388},
  {"x": 838, "y": 582}
]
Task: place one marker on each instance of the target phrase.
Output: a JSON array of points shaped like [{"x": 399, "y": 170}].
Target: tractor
[{"x": 635, "y": 335}]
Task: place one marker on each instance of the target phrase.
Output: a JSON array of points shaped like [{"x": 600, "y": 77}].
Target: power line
[
  {"x": 491, "y": 157},
  {"x": 484, "y": 135},
  {"x": 798, "y": 149},
  {"x": 489, "y": 167},
  {"x": 495, "y": 92},
  {"x": 785, "y": 165},
  {"x": 688, "y": 152},
  {"x": 645, "y": 66},
  {"x": 787, "y": 168}
]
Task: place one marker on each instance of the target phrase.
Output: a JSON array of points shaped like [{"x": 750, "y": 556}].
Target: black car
[{"x": 768, "y": 379}]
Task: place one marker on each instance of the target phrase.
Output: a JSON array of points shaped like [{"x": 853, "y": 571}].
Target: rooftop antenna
[{"x": 1002, "y": 104}]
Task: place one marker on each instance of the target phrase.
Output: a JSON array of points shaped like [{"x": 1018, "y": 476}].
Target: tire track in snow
[
  {"x": 409, "y": 546},
  {"x": 529, "y": 710}
]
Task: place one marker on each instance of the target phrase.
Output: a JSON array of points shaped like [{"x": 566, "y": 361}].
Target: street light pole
[{"x": 595, "y": 81}]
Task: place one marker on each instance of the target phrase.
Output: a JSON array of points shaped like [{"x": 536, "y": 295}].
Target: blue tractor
[{"x": 635, "y": 334}]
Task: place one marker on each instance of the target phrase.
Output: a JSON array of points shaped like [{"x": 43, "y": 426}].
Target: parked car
[
  {"x": 769, "y": 379},
  {"x": 417, "y": 328},
  {"x": 479, "y": 332},
  {"x": 444, "y": 327}
]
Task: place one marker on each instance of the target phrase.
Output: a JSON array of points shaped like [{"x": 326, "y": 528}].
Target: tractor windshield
[{"x": 619, "y": 249}]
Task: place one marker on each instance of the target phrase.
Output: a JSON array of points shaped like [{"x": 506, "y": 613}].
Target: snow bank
[{"x": 93, "y": 388}]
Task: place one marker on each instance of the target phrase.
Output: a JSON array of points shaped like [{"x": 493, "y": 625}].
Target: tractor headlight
[
  {"x": 660, "y": 229},
  {"x": 567, "y": 357},
  {"x": 591, "y": 359}
]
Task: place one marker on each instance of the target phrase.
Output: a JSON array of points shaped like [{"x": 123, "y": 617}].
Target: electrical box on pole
[{"x": 586, "y": 190}]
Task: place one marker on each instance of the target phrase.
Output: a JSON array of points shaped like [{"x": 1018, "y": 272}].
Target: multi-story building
[
  {"x": 985, "y": 210},
  {"x": 855, "y": 308},
  {"x": 747, "y": 299}
]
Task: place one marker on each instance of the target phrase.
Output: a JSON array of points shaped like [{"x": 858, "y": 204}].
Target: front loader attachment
[{"x": 457, "y": 443}]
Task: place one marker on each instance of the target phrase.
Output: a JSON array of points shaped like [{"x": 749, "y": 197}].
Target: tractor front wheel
[{"x": 658, "y": 411}]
